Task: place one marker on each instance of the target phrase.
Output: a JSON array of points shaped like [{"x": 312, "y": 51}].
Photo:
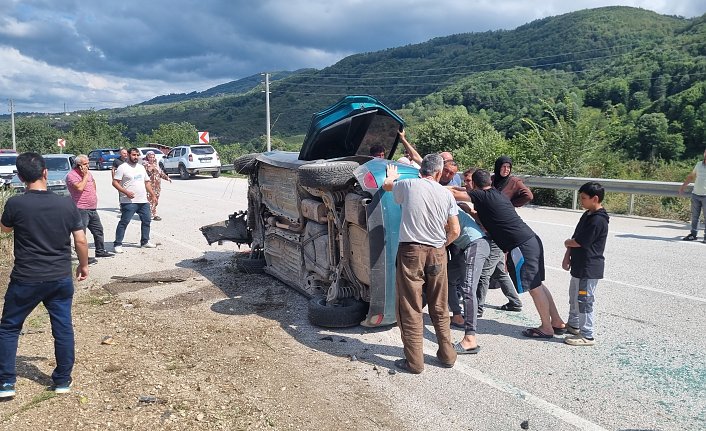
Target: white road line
[
  {"x": 635, "y": 286},
  {"x": 535, "y": 401}
]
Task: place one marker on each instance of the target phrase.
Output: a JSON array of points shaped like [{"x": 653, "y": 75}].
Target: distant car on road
[
  {"x": 58, "y": 166},
  {"x": 7, "y": 167},
  {"x": 102, "y": 158},
  {"x": 190, "y": 160},
  {"x": 159, "y": 155}
]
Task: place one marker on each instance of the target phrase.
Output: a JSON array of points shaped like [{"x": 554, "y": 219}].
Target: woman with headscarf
[
  {"x": 512, "y": 187},
  {"x": 156, "y": 174}
]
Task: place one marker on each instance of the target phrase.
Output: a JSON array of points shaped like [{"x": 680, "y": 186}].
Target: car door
[{"x": 170, "y": 161}]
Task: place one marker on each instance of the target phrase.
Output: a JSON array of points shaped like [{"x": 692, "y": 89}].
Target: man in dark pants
[
  {"x": 43, "y": 224},
  {"x": 82, "y": 188},
  {"x": 428, "y": 224}
]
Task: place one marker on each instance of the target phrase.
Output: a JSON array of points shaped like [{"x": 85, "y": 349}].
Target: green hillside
[{"x": 614, "y": 58}]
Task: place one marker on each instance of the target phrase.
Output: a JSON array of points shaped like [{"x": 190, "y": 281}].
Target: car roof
[{"x": 56, "y": 156}]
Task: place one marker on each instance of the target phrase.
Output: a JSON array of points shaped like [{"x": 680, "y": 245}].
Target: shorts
[{"x": 525, "y": 264}]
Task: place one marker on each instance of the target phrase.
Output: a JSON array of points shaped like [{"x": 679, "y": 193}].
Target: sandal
[
  {"x": 536, "y": 333},
  {"x": 460, "y": 350}
]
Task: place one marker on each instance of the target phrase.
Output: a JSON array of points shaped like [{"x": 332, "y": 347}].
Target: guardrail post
[
  {"x": 632, "y": 204},
  {"x": 576, "y": 196}
]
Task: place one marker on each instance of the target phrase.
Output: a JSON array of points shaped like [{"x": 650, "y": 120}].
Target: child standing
[{"x": 584, "y": 257}]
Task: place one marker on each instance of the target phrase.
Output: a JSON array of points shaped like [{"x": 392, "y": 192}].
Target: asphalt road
[{"x": 647, "y": 372}]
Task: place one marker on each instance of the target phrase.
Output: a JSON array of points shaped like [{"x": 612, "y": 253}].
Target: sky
[{"x": 58, "y": 55}]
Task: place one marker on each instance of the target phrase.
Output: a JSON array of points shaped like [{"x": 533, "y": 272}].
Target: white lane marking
[
  {"x": 635, "y": 286},
  {"x": 535, "y": 401}
]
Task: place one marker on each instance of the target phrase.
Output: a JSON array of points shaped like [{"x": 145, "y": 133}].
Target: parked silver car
[{"x": 58, "y": 166}]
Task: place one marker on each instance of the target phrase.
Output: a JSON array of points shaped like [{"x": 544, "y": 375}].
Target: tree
[
  {"x": 175, "y": 134},
  {"x": 471, "y": 139},
  {"x": 655, "y": 141},
  {"x": 32, "y": 134},
  {"x": 93, "y": 131},
  {"x": 561, "y": 145}
]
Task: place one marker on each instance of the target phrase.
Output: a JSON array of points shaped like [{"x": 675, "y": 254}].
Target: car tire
[
  {"x": 216, "y": 174},
  {"x": 346, "y": 313},
  {"x": 183, "y": 173},
  {"x": 245, "y": 165},
  {"x": 250, "y": 266},
  {"x": 327, "y": 175}
]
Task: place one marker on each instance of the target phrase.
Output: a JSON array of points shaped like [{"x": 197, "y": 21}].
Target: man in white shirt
[
  {"x": 429, "y": 223},
  {"x": 698, "y": 198},
  {"x": 133, "y": 183}
]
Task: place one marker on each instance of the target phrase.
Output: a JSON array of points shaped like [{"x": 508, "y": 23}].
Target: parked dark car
[
  {"x": 102, "y": 158},
  {"x": 319, "y": 221}
]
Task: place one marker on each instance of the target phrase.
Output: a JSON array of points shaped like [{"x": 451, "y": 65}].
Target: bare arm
[
  {"x": 413, "y": 154},
  {"x": 689, "y": 179},
  {"x": 123, "y": 190},
  {"x": 81, "y": 246},
  {"x": 566, "y": 263},
  {"x": 459, "y": 193},
  {"x": 571, "y": 243},
  {"x": 5, "y": 229},
  {"x": 453, "y": 229}
]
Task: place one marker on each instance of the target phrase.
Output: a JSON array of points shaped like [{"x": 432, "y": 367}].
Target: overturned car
[{"x": 318, "y": 220}]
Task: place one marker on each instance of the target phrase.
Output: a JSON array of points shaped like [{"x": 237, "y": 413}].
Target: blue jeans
[
  {"x": 23, "y": 297},
  {"x": 698, "y": 206},
  {"x": 582, "y": 292},
  {"x": 126, "y": 213}
]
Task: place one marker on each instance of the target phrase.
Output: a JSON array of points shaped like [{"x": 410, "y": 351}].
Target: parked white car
[
  {"x": 7, "y": 167},
  {"x": 159, "y": 155},
  {"x": 190, "y": 160}
]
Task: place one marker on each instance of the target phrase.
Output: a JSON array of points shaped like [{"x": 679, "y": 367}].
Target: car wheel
[
  {"x": 216, "y": 174},
  {"x": 328, "y": 175},
  {"x": 346, "y": 313},
  {"x": 245, "y": 165},
  {"x": 183, "y": 173},
  {"x": 250, "y": 266}
]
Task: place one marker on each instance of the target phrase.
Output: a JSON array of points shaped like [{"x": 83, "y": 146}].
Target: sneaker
[
  {"x": 92, "y": 260},
  {"x": 579, "y": 341},
  {"x": 157, "y": 218},
  {"x": 119, "y": 249},
  {"x": 61, "y": 388},
  {"x": 690, "y": 237},
  {"x": 103, "y": 253},
  {"x": 148, "y": 245},
  {"x": 7, "y": 390}
]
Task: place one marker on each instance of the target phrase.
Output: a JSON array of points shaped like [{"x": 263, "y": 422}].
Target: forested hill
[{"x": 630, "y": 61}]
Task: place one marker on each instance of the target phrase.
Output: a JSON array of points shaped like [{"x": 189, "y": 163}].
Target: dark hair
[
  {"x": 481, "y": 178},
  {"x": 30, "y": 167},
  {"x": 376, "y": 149},
  {"x": 132, "y": 149},
  {"x": 469, "y": 171},
  {"x": 592, "y": 189}
]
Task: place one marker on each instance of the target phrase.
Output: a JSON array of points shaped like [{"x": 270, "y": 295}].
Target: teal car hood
[{"x": 351, "y": 127}]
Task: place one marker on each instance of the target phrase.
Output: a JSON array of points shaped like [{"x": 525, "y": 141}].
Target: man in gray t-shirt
[{"x": 428, "y": 224}]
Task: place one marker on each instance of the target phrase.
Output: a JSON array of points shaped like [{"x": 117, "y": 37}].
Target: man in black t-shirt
[
  {"x": 120, "y": 160},
  {"x": 43, "y": 224},
  {"x": 525, "y": 259}
]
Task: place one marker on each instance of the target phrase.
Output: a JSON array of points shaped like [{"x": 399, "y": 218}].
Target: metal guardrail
[{"x": 631, "y": 187}]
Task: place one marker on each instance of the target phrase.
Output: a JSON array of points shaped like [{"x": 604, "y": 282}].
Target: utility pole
[
  {"x": 267, "y": 109},
  {"x": 12, "y": 119}
]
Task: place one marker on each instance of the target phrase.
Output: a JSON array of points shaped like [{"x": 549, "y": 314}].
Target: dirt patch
[{"x": 217, "y": 353}]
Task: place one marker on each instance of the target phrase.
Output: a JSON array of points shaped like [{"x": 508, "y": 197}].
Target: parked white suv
[{"x": 189, "y": 160}]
